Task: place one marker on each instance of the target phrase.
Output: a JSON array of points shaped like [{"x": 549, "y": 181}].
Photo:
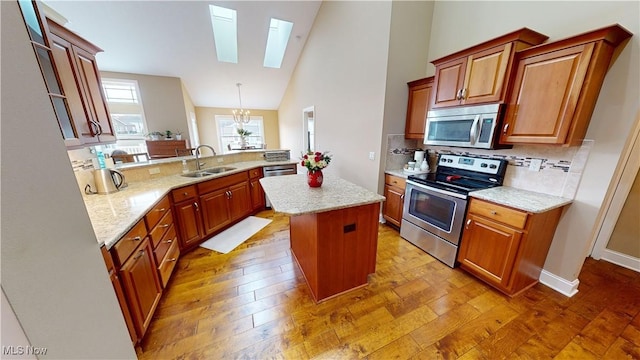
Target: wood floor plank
[{"x": 253, "y": 303}]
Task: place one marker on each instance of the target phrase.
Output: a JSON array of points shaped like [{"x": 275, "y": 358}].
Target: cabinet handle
[
  {"x": 504, "y": 130},
  {"x": 493, "y": 212},
  {"x": 195, "y": 204},
  {"x": 468, "y": 223},
  {"x": 99, "y": 128},
  {"x": 186, "y": 193},
  {"x": 169, "y": 241},
  {"x": 140, "y": 254},
  {"x": 137, "y": 238},
  {"x": 161, "y": 210},
  {"x": 164, "y": 225},
  {"x": 402, "y": 197},
  {"x": 94, "y": 128},
  {"x": 463, "y": 94},
  {"x": 172, "y": 259}
]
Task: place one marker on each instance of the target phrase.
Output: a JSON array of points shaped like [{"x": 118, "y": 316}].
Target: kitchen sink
[{"x": 208, "y": 172}]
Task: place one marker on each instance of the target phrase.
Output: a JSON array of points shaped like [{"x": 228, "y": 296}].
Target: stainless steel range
[{"x": 435, "y": 205}]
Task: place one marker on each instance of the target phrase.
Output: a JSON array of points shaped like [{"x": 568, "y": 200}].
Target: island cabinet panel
[
  {"x": 142, "y": 286},
  {"x": 506, "y": 247},
  {"x": 336, "y": 250},
  {"x": 556, "y": 86}
]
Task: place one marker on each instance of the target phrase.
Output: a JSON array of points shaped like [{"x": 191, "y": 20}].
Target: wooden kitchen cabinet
[
  {"x": 224, "y": 200},
  {"x": 394, "y": 187},
  {"x": 188, "y": 216},
  {"x": 480, "y": 74},
  {"x": 142, "y": 286},
  {"x": 257, "y": 194},
  {"x": 419, "y": 103},
  {"x": 556, "y": 86},
  {"x": 119, "y": 291},
  {"x": 164, "y": 240},
  {"x": 505, "y": 247},
  {"x": 75, "y": 62}
]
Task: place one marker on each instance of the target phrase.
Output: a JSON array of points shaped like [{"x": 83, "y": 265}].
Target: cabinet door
[
  {"x": 420, "y": 96},
  {"x": 215, "y": 210},
  {"x": 545, "y": 96},
  {"x": 392, "y": 206},
  {"x": 484, "y": 78},
  {"x": 488, "y": 250},
  {"x": 64, "y": 58},
  {"x": 257, "y": 195},
  {"x": 142, "y": 286},
  {"x": 94, "y": 95},
  {"x": 187, "y": 216},
  {"x": 449, "y": 81},
  {"x": 239, "y": 201}
]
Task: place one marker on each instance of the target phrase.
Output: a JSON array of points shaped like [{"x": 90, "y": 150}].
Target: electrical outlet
[
  {"x": 535, "y": 164},
  {"x": 372, "y": 155},
  {"x": 153, "y": 171}
]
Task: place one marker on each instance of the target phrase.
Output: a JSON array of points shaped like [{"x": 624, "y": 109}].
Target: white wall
[
  {"x": 615, "y": 111},
  {"x": 342, "y": 72},
  {"x": 52, "y": 272}
]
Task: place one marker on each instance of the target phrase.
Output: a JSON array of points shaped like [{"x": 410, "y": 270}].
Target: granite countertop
[
  {"x": 114, "y": 214},
  {"x": 526, "y": 200},
  {"x": 291, "y": 195}
]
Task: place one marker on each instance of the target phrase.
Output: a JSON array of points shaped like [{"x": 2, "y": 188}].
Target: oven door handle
[
  {"x": 473, "y": 133},
  {"x": 427, "y": 188}
]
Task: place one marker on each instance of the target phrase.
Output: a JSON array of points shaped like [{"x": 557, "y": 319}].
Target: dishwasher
[{"x": 278, "y": 170}]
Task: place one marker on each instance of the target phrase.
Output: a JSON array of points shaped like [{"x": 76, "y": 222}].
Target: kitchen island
[{"x": 333, "y": 230}]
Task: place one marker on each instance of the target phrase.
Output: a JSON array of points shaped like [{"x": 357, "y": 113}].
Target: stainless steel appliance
[
  {"x": 278, "y": 170},
  {"x": 108, "y": 180},
  {"x": 435, "y": 205},
  {"x": 469, "y": 126}
]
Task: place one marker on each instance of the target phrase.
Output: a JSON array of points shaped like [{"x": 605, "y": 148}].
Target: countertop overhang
[{"x": 291, "y": 195}]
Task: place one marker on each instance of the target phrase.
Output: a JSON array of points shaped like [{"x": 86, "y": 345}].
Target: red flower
[
  {"x": 306, "y": 157},
  {"x": 318, "y": 153},
  {"x": 302, "y": 163}
]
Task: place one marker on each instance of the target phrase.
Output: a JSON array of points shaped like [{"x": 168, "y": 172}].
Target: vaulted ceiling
[{"x": 175, "y": 38}]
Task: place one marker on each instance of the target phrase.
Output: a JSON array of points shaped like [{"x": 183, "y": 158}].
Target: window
[
  {"x": 229, "y": 138},
  {"x": 224, "y": 23},
  {"x": 127, "y": 115}
]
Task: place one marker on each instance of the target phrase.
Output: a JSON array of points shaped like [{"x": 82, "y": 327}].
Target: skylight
[
  {"x": 225, "y": 33},
  {"x": 279, "y": 32}
]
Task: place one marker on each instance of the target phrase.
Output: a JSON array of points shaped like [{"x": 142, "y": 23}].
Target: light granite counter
[
  {"x": 291, "y": 195},
  {"x": 529, "y": 201},
  {"x": 114, "y": 214}
]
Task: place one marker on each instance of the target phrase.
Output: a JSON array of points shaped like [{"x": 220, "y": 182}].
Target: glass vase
[{"x": 314, "y": 178}]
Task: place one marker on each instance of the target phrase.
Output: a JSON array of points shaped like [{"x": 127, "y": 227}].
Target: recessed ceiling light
[
  {"x": 279, "y": 32},
  {"x": 225, "y": 33}
]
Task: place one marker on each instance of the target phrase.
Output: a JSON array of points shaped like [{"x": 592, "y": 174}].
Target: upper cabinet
[
  {"x": 76, "y": 67},
  {"x": 556, "y": 86},
  {"x": 480, "y": 74},
  {"x": 420, "y": 96}
]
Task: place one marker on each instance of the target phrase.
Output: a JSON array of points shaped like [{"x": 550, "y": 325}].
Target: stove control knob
[
  {"x": 492, "y": 166},
  {"x": 449, "y": 160},
  {"x": 483, "y": 165},
  {"x": 443, "y": 160}
]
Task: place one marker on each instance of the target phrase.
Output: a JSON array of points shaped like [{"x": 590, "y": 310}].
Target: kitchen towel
[{"x": 235, "y": 235}]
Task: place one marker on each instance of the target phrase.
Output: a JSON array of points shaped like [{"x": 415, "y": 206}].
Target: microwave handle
[{"x": 473, "y": 133}]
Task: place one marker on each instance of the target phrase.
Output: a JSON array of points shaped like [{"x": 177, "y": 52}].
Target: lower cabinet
[
  {"x": 257, "y": 194},
  {"x": 117, "y": 288},
  {"x": 142, "y": 286},
  {"x": 394, "y": 188},
  {"x": 505, "y": 247},
  {"x": 188, "y": 218}
]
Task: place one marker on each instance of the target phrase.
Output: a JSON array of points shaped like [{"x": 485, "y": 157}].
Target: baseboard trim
[
  {"x": 563, "y": 286},
  {"x": 621, "y": 259}
]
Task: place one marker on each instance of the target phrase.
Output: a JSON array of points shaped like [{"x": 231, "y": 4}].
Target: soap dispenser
[{"x": 425, "y": 165}]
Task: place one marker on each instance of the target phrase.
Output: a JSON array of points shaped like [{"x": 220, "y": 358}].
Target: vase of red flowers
[{"x": 315, "y": 162}]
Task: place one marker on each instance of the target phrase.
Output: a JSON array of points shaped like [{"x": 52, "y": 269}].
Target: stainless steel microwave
[{"x": 469, "y": 126}]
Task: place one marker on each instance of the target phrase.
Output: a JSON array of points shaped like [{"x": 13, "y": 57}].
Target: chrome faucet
[{"x": 198, "y": 163}]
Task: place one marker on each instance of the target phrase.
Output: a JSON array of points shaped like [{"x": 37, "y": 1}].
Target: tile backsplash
[{"x": 559, "y": 174}]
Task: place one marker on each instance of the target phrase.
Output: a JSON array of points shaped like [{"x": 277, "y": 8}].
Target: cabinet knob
[
  {"x": 172, "y": 259},
  {"x": 169, "y": 241},
  {"x": 186, "y": 193},
  {"x": 493, "y": 212},
  {"x": 137, "y": 238}
]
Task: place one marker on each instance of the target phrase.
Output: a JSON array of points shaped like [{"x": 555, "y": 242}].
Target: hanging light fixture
[{"x": 240, "y": 116}]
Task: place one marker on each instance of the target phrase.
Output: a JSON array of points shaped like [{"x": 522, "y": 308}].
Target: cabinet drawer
[
  {"x": 255, "y": 173},
  {"x": 396, "y": 181},
  {"x": 128, "y": 243},
  {"x": 157, "y": 212},
  {"x": 169, "y": 263},
  {"x": 158, "y": 232},
  {"x": 184, "y": 193},
  {"x": 164, "y": 244},
  {"x": 222, "y": 182},
  {"x": 499, "y": 213}
]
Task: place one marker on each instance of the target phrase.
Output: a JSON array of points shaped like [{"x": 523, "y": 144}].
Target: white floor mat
[{"x": 235, "y": 235}]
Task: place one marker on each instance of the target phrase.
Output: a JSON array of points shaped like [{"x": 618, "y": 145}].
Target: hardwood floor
[{"x": 254, "y": 303}]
